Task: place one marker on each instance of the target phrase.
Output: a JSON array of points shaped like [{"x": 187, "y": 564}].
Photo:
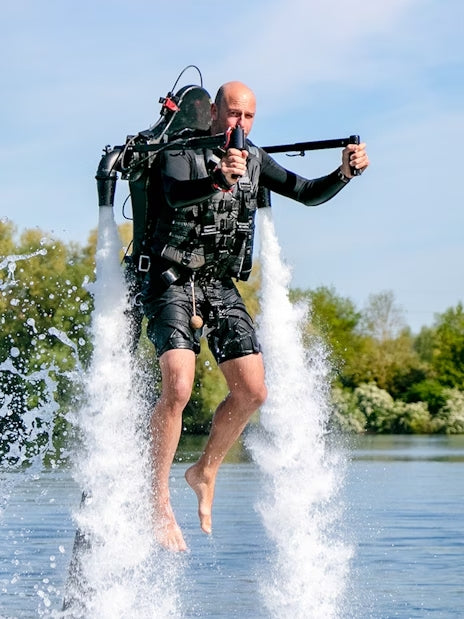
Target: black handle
[
  {"x": 354, "y": 139},
  {"x": 237, "y": 140}
]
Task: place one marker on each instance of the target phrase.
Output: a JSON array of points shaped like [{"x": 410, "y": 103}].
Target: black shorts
[{"x": 228, "y": 327}]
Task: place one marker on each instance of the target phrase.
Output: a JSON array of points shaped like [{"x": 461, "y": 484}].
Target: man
[{"x": 203, "y": 237}]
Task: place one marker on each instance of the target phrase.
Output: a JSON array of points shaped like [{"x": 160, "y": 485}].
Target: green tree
[
  {"x": 382, "y": 318},
  {"x": 429, "y": 391},
  {"x": 448, "y": 348},
  {"x": 7, "y": 232},
  {"x": 388, "y": 357},
  {"x": 450, "y": 418},
  {"x": 335, "y": 320}
]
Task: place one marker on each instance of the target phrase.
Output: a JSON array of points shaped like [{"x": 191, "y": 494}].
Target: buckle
[
  {"x": 243, "y": 226},
  {"x": 244, "y": 184},
  {"x": 208, "y": 230},
  {"x": 144, "y": 263}
]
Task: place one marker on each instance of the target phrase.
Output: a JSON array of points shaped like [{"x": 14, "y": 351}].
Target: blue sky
[{"x": 79, "y": 75}]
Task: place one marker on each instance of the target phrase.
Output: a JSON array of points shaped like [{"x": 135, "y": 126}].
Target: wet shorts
[{"x": 228, "y": 327}]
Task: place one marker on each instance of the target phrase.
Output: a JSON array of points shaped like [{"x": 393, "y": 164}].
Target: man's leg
[
  {"x": 177, "y": 372},
  {"x": 247, "y": 391}
]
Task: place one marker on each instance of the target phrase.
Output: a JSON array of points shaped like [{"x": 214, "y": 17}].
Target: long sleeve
[
  {"x": 286, "y": 183},
  {"x": 181, "y": 188}
]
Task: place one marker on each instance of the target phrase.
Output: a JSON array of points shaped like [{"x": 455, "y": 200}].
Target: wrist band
[{"x": 342, "y": 177}]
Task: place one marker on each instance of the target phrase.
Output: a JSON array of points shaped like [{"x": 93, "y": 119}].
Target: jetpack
[{"x": 185, "y": 113}]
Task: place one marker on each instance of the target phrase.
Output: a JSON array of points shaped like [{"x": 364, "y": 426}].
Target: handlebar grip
[
  {"x": 237, "y": 140},
  {"x": 355, "y": 139}
]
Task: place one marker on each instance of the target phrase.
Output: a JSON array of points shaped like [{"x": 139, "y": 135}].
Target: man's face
[{"x": 237, "y": 107}]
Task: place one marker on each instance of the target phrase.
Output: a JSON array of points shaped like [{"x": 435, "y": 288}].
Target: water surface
[{"x": 403, "y": 513}]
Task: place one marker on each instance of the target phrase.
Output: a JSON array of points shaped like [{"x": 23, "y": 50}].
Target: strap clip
[{"x": 144, "y": 263}]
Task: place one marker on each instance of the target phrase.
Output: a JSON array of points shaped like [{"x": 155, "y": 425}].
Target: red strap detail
[
  {"x": 228, "y": 135},
  {"x": 169, "y": 103},
  {"x": 219, "y": 188}
]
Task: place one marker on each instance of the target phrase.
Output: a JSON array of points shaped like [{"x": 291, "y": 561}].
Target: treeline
[{"x": 385, "y": 379}]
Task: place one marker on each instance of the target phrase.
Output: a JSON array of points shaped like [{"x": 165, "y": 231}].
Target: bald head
[
  {"x": 234, "y": 104},
  {"x": 233, "y": 90}
]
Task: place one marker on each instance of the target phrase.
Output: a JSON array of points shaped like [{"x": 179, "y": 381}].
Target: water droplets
[
  {"x": 31, "y": 323},
  {"x": 11, "y": 270}
]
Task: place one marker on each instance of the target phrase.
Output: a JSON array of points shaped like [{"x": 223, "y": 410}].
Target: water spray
[{"x": 301, "y": 475}]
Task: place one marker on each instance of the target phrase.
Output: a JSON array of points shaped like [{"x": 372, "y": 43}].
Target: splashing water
[
  {"x": 10, "y": 264},
  {"x": 27, "y": 428},
  {"x": 302, "y": 476},
  {"x": 34, "y": 390},
  {"x": 117, "y": 570}
]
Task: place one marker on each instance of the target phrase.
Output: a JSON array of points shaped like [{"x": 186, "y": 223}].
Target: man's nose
[{"x": 240, "y": 120}]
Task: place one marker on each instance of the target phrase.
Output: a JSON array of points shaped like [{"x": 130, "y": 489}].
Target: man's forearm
[
  {"x": 181, "y": 193},
  {"x": 286, "y": 183}
]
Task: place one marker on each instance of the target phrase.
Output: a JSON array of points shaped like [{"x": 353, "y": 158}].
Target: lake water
[{"x": 404, "y": 515}]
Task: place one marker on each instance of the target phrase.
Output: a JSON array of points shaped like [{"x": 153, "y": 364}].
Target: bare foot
[
  {"x": 204, "y": 489},
  {"x": 167, "y": 531}
]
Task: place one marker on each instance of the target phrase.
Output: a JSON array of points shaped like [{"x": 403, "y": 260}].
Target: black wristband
[{"x": 342, "y": 177}]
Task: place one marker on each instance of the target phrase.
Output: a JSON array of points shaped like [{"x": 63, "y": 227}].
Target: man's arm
[
  {"x": 309, "y": 192},
  {"x": 180, "y": 171},
  {"x": 180, "y": 184}
]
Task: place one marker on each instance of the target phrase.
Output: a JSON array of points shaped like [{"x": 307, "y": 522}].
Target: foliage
[
  {"x": 346, "y": 416},
  {"x": 377, "y": 406},
  {"x": 450, "y": 418},
  {"x": 382, "y": 318},
  {"x": 209, "y": 389},
  {"x": 391, "y": 364},
  {"x": 334, "y": 319},
  {"x": 429, "y": 391},
  {"x": 371, "y": 409},
  {"x": 45, "y": 311},
  {"x": 414, "y": 418},
  {"x": 448, "y": 348}
]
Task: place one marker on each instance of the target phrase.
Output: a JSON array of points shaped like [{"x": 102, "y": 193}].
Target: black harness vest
[{"x": 214, "y": 237}]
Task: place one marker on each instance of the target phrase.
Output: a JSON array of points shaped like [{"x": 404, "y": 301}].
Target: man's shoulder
[{"x": 255, "y": 150}]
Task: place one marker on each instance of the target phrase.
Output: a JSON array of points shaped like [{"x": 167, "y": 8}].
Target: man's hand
[
  {"x": 354, "y": 155},
  {"x": 233, "y": 165}
]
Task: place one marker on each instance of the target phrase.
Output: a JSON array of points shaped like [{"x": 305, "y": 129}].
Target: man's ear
[{"x": 214, "y": 111}]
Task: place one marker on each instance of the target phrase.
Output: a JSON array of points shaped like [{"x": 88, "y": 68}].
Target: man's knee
[
  {"x": 177, "y": 372},
  {"x": 177, "y": 393},
  {"x": 258, "y": 395},
  {"x": 251, "y": 394}
]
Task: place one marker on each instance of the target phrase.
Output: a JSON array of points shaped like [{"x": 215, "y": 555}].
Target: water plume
[
  {"x": 116, "y": 571},
  {"x": 302, "y": 475}
]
